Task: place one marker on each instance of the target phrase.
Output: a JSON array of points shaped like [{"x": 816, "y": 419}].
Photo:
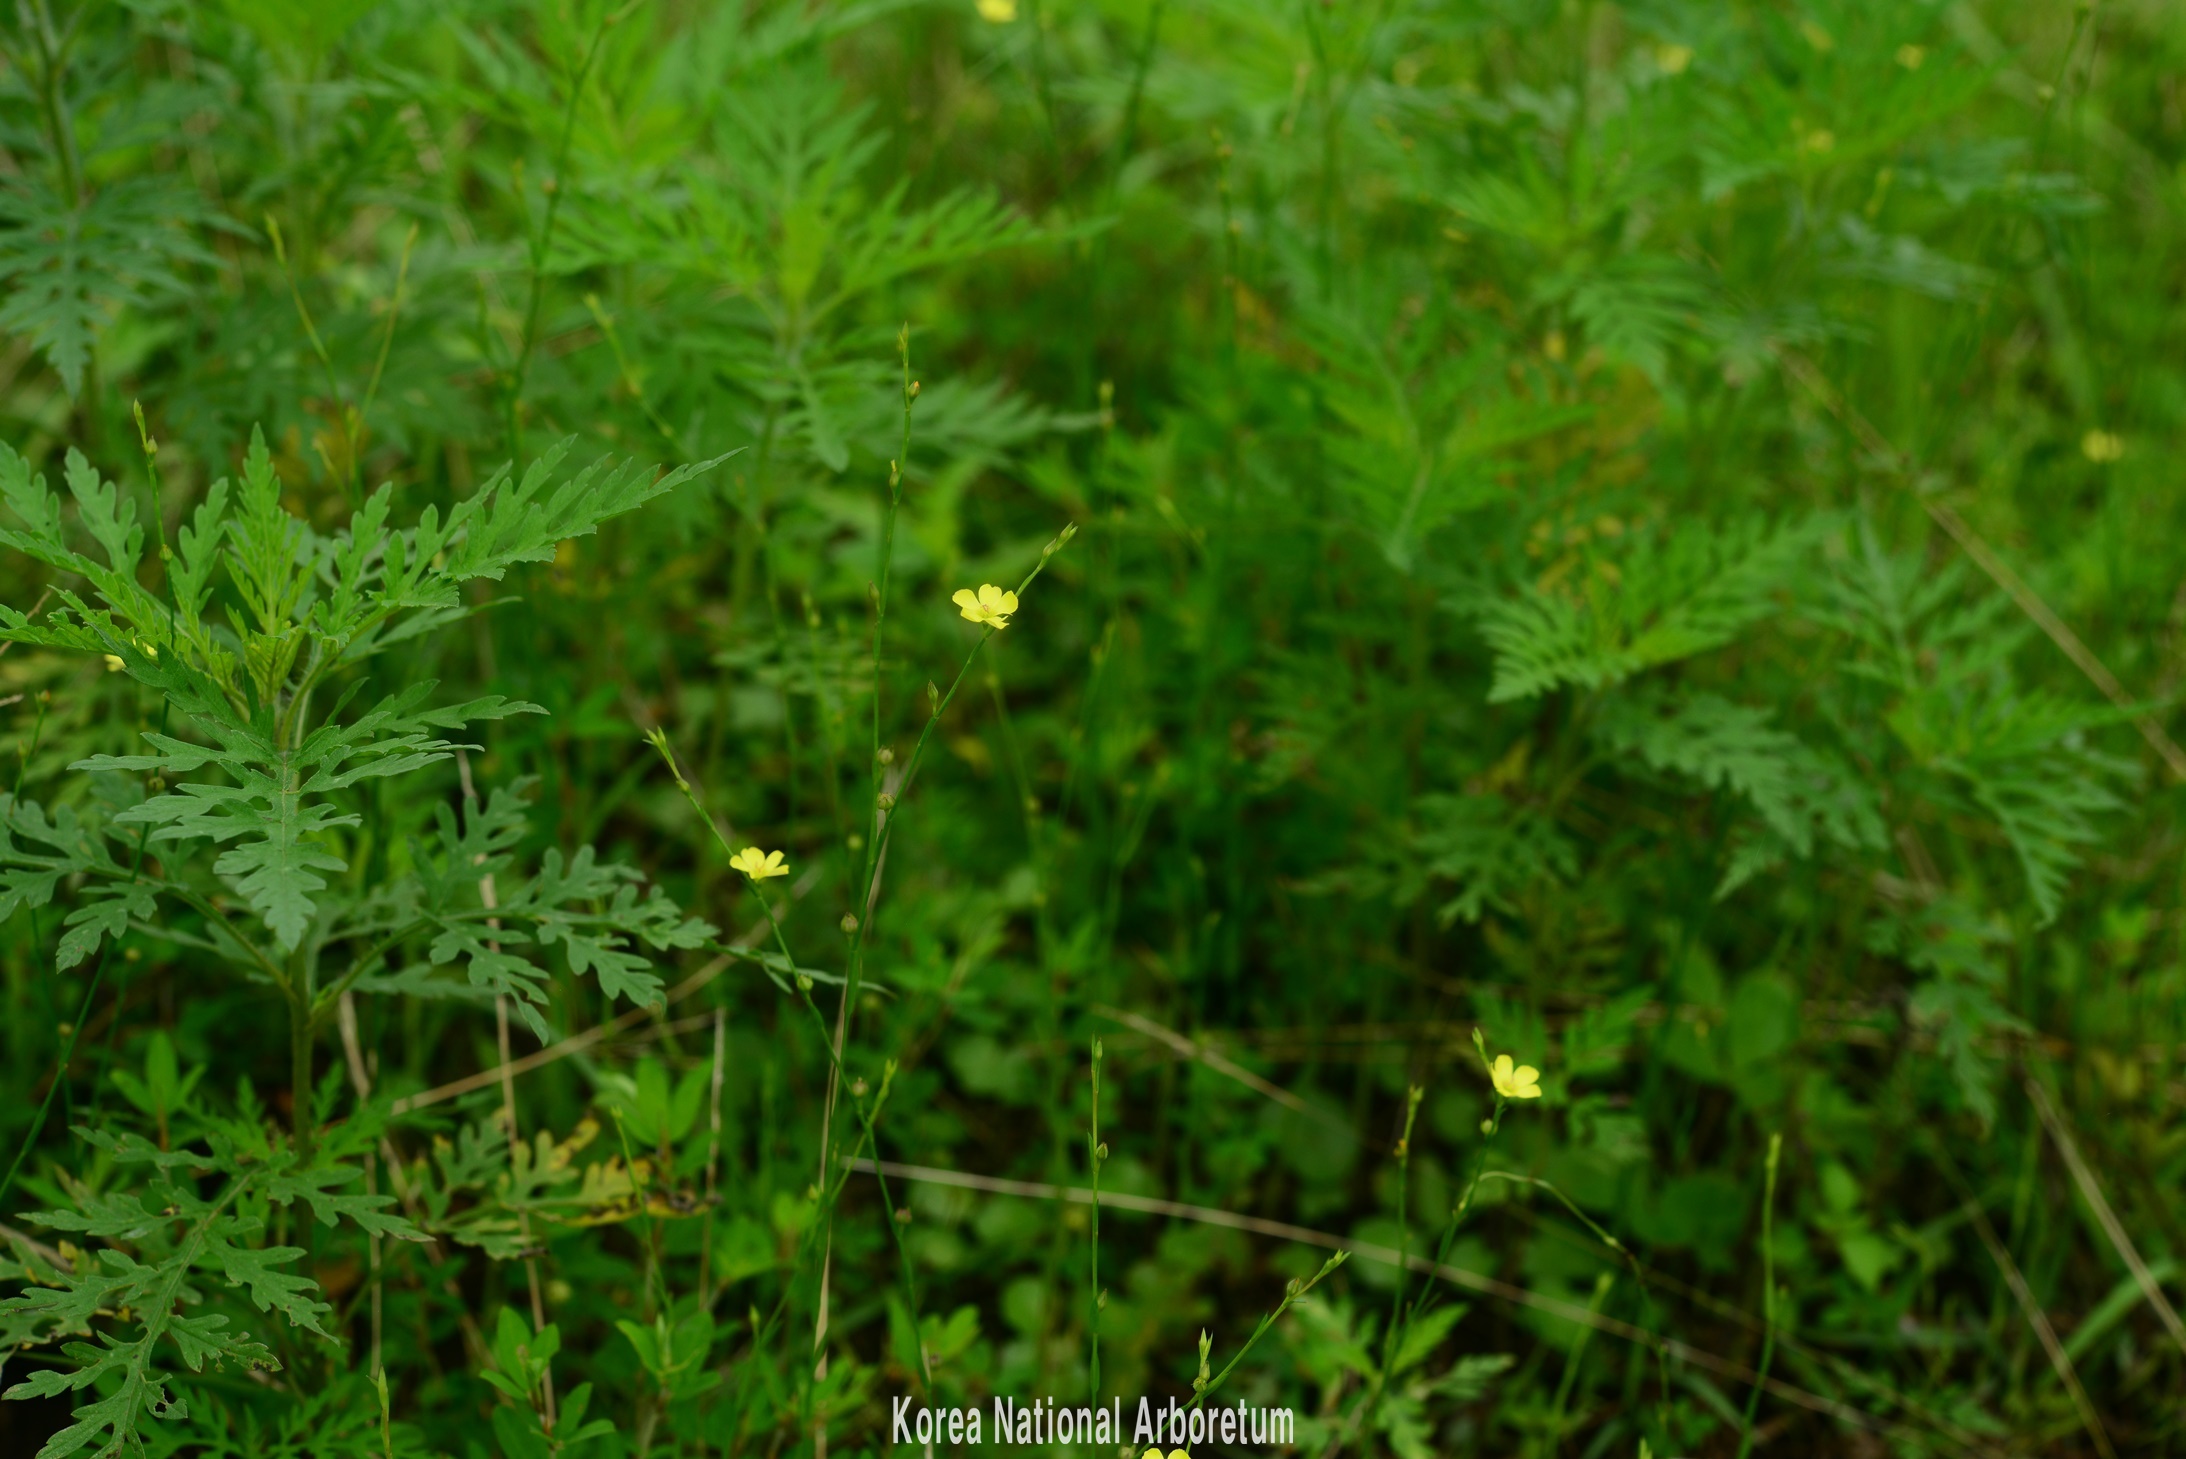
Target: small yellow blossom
[
  {"x": 1672, "y": 60},
  {"x": 1521, "y": 1082},
  {"x": 1910, "y": 56},
  {"x": 990, "y": 605},
  {"x": 2102, "y": 446},
  {"x": 114, "y": 664},
  {"x": 998, "y": 12},
  {"x": 759, "y": 865}
]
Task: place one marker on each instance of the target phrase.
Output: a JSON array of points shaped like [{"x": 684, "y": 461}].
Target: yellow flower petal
[
  {"x": 113, "y": 663},
  {"x": 759, "y": 865},
  {"x": 991, "y": 605},
  {"x": 1514, "y": 1081},
  {"x": 998, "y": 12}
]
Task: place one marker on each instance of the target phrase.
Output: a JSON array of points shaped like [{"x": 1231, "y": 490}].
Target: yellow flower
[
  {"x": 998, "y": 12},
  {"x": 1522, "y": 1082},
  {"x": 990, "y": 605},
  {"x": 757, "y": 864},
  {"x": 2102, "y": 446},
  {"x": 113, "y": 663}
]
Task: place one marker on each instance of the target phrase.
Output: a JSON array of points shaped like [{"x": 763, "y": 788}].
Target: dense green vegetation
[{"x": 1628, "y": 536}]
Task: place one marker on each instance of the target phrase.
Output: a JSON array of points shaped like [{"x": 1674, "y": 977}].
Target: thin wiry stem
[
  {"x": 75, "y": 1032},
  {"x": 1768, "y": 1296},
  {"x": 1096, "y": 1155},
  {"x": 543, "y": 240}
]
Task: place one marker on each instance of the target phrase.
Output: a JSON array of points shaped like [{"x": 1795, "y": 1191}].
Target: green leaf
[
  {"x": 1471, "y": 1376},
  {"x": 1425, "y": 1334},
  {"x": 276, "y": 867},
  {"x": 499, "y": 972},
  {"x": 27, "y": 877},
  {"x": 2049, "y": 812},
  {"x": 105, "y": 913},
  {"x": 501, "y": 525},
  {"x": 1662, "y": 597},
  {"x": 65, "y": 270},
  {"x": 1492, "y": 848},
  {"x": 305, "y": 31},
  {"x": 255, "y": 1270},
  {"x": 593, "y": 911},
  {"x": 1803, "y": 795},
  {"x": 139, "y": 1394},
  {"x": 315, "y": 1188}
]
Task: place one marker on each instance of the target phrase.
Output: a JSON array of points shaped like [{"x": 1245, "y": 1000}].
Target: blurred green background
[{"x": 1637, "y": 528}]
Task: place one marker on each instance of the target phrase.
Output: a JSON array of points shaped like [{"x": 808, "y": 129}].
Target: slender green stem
[
  {"x": 1404, "y": 1314},
  {"x": 75, "y": 1032},
  {"x": 630, "y": 380},
  {"x": 1639, "y": 1273},
  {"x": 1140, "y": 65},
  {"x": 197, "y": 902},
  {"x": 543, "y": 240},
  {"x": 1572, "y": 1359},
  {"x": 1292, "y": 1295},
  {"x": 394, "y": 313},
  {"x": 884, "y": 819},
  {"x": 803, "y": 986},
  {"x": 1096, "y": 1155},
  {"x": 45, "y": 981},
  {"x": 301, "y": 1122},
  {"x": 1413, "y": 1095},
  {"x": 877, "y": 815},
  {"x": 329, "y": 997},
  {"x": 346, "y": 468},
  {"x": 1417, "y": 1308},
  {"x": 1768, "y": 1296},
  {"x": 52, "y": 52},
  {"x": 52, "y": 45}
]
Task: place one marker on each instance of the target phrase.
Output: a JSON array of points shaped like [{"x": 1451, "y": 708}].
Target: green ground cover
[{"x": 1249, "y": 561}]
